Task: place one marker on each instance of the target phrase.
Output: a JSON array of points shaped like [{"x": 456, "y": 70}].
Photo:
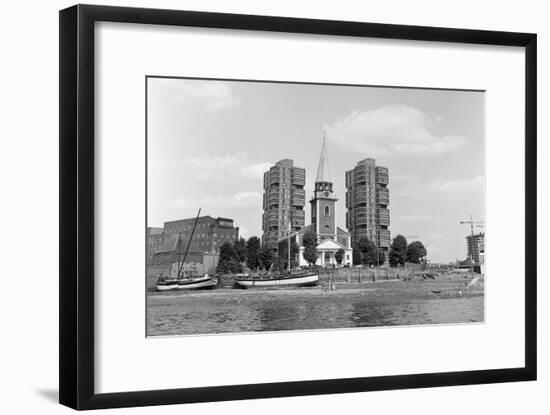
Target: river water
[{"x": 184, "y": 315}]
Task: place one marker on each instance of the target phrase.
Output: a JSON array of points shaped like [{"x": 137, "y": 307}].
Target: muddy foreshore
[{"x": 442, "y": 287}]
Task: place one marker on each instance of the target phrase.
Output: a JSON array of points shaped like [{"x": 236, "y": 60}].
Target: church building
[{"x": 330, "y": 237}]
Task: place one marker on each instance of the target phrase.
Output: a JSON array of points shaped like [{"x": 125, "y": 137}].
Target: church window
[{"x": 327, "y": 210}]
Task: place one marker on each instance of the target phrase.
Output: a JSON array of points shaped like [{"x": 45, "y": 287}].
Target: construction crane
[{"x": 472, "y": 223}]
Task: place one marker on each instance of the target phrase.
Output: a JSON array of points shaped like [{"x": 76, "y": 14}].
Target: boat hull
[
  {"x": 290, "y": 281},
  {"x": 167, "y": 286},
  {"x": 188, "y": 284},
  {"x": 197, "y": 285}
]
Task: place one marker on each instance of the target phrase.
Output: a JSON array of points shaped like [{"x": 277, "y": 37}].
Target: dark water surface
[{"x": 183, "y": 315}]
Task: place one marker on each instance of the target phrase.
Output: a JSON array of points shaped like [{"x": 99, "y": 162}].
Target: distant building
[
  {"x": 283, "y": 201},
  {"x": 367, "y": 200},
  {"x": 155, "y": 238},
  {"x": 173, "y": 250},
  {"x": 210, "y": 232},
  {"x": 475, "y": 245},
  {"x": 164, "y": 250},
  {"x": 330, "y": 237}
]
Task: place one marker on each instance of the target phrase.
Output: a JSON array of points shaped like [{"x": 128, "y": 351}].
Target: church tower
[{"x": 323, "y": 204}]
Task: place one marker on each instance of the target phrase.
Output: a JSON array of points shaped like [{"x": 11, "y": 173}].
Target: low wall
[
  {"x": 226, "y": 281},
  {"x": 360, "y": 274},
  {"x": 341, "y": 275},
  {"x": 156, "y": 270},
  {"x": 153, "y": 272}
]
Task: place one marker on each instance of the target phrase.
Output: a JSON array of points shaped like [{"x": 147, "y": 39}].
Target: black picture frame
[{"x": 77, "y": 172}]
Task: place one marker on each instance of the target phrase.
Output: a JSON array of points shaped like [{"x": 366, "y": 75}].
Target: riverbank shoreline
[{"x": 443, "y": 287}]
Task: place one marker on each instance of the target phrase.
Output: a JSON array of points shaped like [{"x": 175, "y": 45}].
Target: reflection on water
[{"x": 173, "y": 317}]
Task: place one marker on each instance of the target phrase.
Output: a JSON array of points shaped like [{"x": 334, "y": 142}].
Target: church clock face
[{"x": 327, "y": 194}]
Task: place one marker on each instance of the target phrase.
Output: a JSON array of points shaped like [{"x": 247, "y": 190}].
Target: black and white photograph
[{"x": 280, "y": 206}]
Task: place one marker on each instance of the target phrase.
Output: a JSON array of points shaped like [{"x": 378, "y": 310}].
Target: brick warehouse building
[
  {"x": 210, "y": 232},
  {"x": 367, "y": 200},
  {"x": 173, "y": 248},
  {"x": 283, "y": 201},
  {"x": 155, "y": 238}
]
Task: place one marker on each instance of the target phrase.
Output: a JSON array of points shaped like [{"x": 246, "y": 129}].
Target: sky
[{"x": 209, "y": 142}]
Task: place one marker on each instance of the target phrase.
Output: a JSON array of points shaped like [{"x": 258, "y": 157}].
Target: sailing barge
[
  {"x": 182, "y": 281},
  {"x": 193, "y": 283}
]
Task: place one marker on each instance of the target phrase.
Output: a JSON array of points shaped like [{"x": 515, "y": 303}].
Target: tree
[
  {"x": 228, "y": 261},
  {"x": 266, "y": 257},
  {"x": 253, "y": 248},
  {"x": 310, "y": 247},
  {"x": 398, "y": 251},
  {"x": 279, "y": 265},
  {"x": 416, "y": 252},
  {"x": 356, "y": 256},
  {"x": 339, "y": 255},
  {"x": 381, "y": 257},
  {"x": 368, "y": 251},
  {"x": 283, "y": 250},
  {"x": 239, "y": 247},
  {"x": 226, "y": 252},
  {"x": 231, "y": 266}
]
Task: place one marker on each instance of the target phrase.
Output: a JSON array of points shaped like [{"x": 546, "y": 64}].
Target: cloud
[
  {"x": 229, "y": 167},
  {"x": 475, "y": 184},
  {"x": 437, "y": 188},
  {"x": 435, "y": 236},
  {"x": 391, "y": 131},
  {"x": 218, "y": 203},
  {"x": 417, "y": 218},
  {"x": 210, "y": 95}
]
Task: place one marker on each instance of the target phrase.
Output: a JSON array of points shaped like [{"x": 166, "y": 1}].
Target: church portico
[{"x": 327, "y": 254}]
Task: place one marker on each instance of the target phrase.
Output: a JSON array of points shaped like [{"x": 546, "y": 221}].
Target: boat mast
[
  {"x": 180, "y": 268},
  {"x": 289, "y": 232}
]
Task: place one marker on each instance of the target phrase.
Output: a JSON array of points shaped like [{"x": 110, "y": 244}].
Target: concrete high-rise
[
  {"x": 283, "y": 201},
  {"x": 367, "y": 200},
  {"x": 475, "y": 245}
]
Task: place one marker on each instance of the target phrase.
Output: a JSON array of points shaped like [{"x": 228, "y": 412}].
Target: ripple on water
[{"x": 178, "y": 317}]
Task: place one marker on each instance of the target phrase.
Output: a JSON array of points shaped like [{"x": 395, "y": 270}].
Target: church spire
[{"x": 323, "y": 172}]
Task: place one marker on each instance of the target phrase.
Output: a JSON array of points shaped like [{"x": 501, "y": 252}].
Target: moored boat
[
  {"x": 289, "y": 280},
  {"x": 183, "y": 282},
  {"x": 196, "y": 283},
  {"x": 167, "y": 284}
]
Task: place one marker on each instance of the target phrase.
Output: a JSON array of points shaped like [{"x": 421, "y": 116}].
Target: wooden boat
[
  {"x": 286, "y": 280},
  {"x": 289, "y": 279},
  {"x": 166, "y": 284},
  {"x": 182, "y": 282},
  {"x": 196, "y": 283}
]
